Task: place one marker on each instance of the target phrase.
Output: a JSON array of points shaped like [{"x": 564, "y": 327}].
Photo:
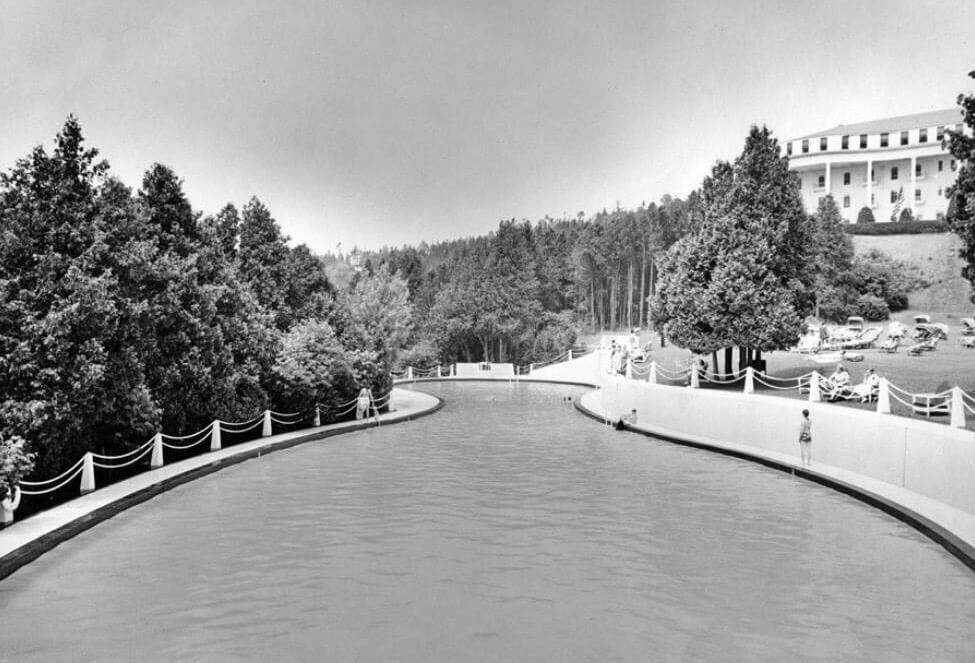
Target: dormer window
[{"x": 884, "y": 140}]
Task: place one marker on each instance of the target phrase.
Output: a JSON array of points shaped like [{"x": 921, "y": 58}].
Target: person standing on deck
[{"x": 805, "y": 439}]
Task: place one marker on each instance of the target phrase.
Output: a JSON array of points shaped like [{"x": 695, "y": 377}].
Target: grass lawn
[{"x": 948, "y": 366}]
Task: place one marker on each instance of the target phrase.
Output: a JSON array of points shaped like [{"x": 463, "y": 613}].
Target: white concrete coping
[
  {"x": 951, "y": 527},
  {"x": 24, "y": 541}
]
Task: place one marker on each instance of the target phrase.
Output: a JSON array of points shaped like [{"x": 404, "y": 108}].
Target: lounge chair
[
  {"x": 866, "y": 339},
  {"x": 968, "y": 326},
  {"x": 968, "y": 341},
  {"x": 927, "y": 345},
  {"x": 890, "y": 345}
]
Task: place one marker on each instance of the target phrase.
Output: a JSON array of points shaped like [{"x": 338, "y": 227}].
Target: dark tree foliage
[
  {"x": 122, "y": 314},
  {"x": 961, "y": 211},
  {"x": 742, "y": 277}
]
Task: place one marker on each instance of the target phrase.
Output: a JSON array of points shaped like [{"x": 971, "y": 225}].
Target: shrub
[
  {"x": 907, "y": 216},
  {"x": 15, "y": 462},
  {"x": 872, "y": 307},
  {"x": 865, "y": 216},
  {"x": 422, "y": 354},
  {"x": 902, "y": 228}
]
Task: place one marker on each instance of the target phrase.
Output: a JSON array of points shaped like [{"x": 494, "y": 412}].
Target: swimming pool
[{"x": 506, "y": 527}]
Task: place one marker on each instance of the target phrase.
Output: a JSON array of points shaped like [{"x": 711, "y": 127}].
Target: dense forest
[{"x": 123, "y": 313}]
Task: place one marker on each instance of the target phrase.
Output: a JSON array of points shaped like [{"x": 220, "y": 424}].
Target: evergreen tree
[
  {"x": 745, "y": 268},
  {"x": 961, "y": 211}
]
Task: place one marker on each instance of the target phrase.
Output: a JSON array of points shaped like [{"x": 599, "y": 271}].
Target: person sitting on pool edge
[{"x": 626, "y": 419}]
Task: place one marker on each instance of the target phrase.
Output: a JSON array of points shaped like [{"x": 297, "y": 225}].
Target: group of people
[
  {"x": 838, "y": 385},
  {"x": 619, "y": 357}
]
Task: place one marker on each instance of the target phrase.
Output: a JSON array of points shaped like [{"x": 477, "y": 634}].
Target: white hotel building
[{"x": 904, "y": 156}]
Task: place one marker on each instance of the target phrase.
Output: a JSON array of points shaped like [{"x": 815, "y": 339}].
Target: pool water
[{"x": 506, "y": 527}]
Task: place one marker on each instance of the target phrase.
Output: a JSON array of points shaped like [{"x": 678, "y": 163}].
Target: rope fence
[{"x": 153, "y": 449}]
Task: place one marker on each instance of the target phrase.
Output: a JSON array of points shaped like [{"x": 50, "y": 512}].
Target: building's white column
[
  {"x": 827, "y": 178},
  {"x": 913, "y": 186},
  {"x": 869, "y": 184}
]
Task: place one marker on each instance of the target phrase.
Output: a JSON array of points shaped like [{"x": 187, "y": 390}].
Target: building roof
[{"x": 949, "y": 116}]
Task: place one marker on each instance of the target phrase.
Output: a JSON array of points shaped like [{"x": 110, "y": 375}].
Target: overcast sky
[{"x": 386, "y": 123}]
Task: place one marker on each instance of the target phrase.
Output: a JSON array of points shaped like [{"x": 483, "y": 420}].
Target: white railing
[{"x": 212, "y": 432}]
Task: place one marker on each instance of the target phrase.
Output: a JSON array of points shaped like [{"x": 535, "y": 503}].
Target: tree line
[
  {"x": 738, "y": 264},
  {"x": 123, "y": 313}
]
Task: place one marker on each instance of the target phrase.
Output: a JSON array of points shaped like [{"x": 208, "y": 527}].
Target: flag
[{"x": 898, "y": 204}]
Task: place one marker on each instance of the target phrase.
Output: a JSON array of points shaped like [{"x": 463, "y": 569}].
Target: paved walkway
[{"x": 24, "y": 541}]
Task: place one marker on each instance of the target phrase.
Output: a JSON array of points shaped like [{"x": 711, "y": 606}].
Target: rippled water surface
[{"x": 507, "y": 527}]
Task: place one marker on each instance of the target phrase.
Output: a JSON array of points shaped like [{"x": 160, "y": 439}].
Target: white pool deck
[
  {"x": 47, "y": 524},
  {"x": 952, "y": 527}
]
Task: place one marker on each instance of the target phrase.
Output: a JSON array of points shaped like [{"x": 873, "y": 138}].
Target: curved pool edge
[
  {"x": 27, "y": 540},
  {"x": 933, "y": 519}
]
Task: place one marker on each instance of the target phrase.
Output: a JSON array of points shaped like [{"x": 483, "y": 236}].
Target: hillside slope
[{"x": 936, "y": 255}]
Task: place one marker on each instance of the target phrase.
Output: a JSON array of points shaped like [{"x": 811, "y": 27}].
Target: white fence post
[
  {"x": 157, "y": 451},
  {"x": 318, "y": 418},
  {"x": 439, "y": 374},
  {"x": 569, "y": 356},
  {"x": 749, "y": 380},
  {"x": 652, "y": 378},
  {"x": 531, "y": 367},
  {"x": 266, "y": 430},
  {"x": 695, "y": 378},
  {"x": 409, "y": 372},
  {"x": 10, "y": 504},
  {"x": 957, "y": 408},
  {"x": 215, "y": 441},
  {"x": 814, "y": 395},
  {"x": 629, "y": 369},
  {"x": 883, "y": 397},
  {"x": 87, "y": 473}
]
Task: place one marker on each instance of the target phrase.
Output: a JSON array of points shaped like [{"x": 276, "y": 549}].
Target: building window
[
  {"x": 884, "y": 140},
  {"x": 822, "y": 144},
  {"x": 917, "y": 195},
  {"x": 894, "y": 173},
  {"x": 846, "y": 201},
  {"x": 788, "y": 149},
  {"x": 845, "y": 143},
  {"x": 805, "y": 146},
  {"x": 863, "y": 141},
  {"x": 903, "y": 138},
  {"x": 922, "y": 136},
  {"x": 846, "y": 178},
  {"x": 893, "y": 196},
  {"x": 822, "y": 181},
  {"x": 941, "y": 166},
  {"x": 952, "y": 164},
  {"x": 941, "y": 134},
  {"x": 917, "y": 170},
  {"x": 940, "y": 192},
  {"x": 873, "y": 200},
  {"x": 873, "y": 175}
]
